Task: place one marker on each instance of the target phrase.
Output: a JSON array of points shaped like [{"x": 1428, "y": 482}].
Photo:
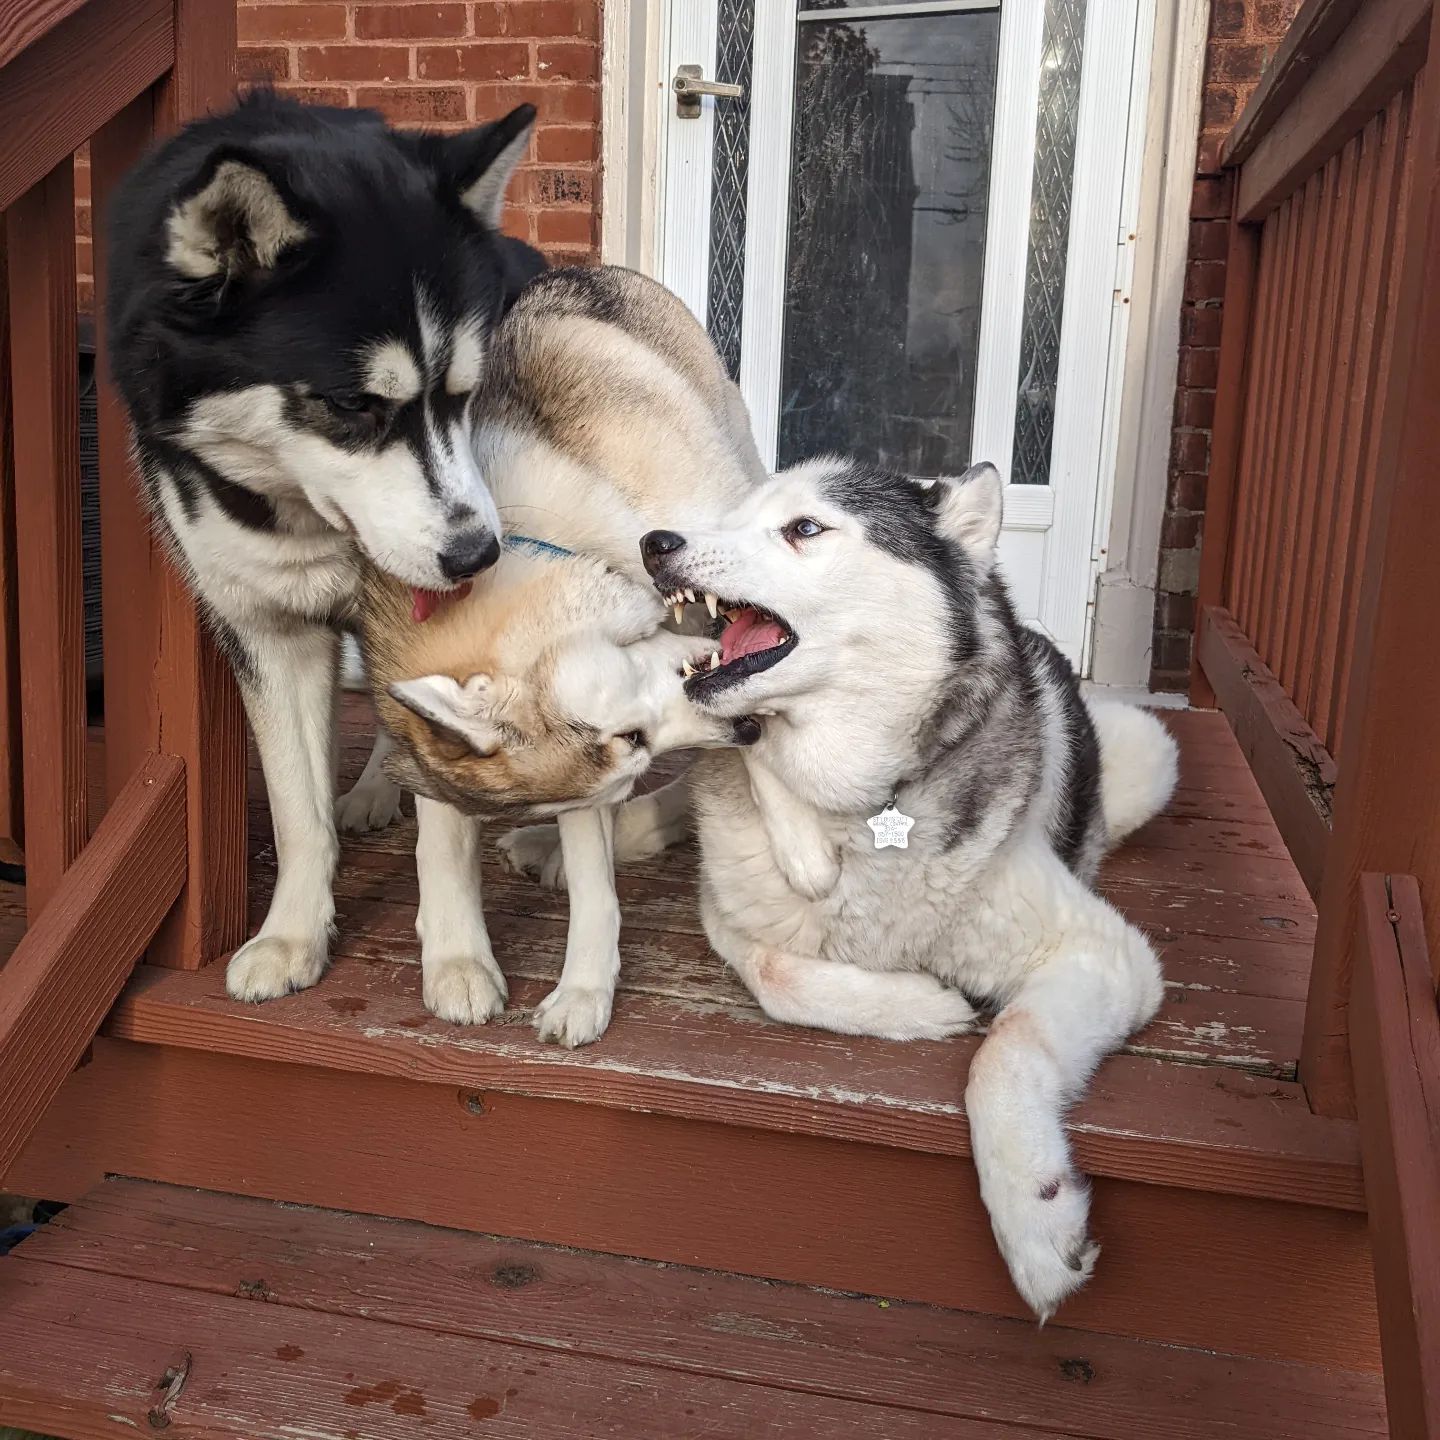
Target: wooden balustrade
[
  {"x": 164, "y": 874},
  {"x": 1315, "y": 602}
]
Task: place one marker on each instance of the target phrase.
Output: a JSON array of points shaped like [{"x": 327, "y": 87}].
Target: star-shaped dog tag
[{"x": 891, "y": 828}]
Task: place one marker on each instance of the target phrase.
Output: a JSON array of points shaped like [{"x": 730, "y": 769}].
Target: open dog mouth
[
  {"x": 751, "y": 639},
  {"x": 424, "y": 603}
]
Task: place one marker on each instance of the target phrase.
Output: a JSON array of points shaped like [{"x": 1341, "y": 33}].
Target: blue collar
[{"x": 536, "y": 547}]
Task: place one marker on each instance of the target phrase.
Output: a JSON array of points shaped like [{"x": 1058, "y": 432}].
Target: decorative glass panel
[
  {"x": 1064, "y": 39},
  {"x": 734, "y": 55},
  {"x": 889, "y": 188}
]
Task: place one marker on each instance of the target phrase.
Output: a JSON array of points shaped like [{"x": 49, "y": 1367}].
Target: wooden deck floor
[
  {"x": 144, "y": 1307},
  {"x": 1210, "y": 881}
]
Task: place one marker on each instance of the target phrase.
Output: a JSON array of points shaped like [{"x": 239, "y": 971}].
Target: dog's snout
[
  {"x": 657, "y": 545},
  {"x": 468, "y": 554}
]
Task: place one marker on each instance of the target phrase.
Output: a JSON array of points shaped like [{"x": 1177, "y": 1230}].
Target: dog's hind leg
[
  {"x": 577, "y": 1010},
  {"x": 832, "y": 995},
  {"x": 1097, "y": 983},
  {"x": 644, "y": 826},
  {"x": 373, "y": 801},
  {"x": 461, "y": 981},
  {"x": 288, "y": 684}
]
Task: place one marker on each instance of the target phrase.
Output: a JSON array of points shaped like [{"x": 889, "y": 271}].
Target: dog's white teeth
[
  {"x": 714, "y": 659},
  {"x": 679, "y": 610},
  {"x": 712, "y": 604},
  {"x": 687, "y": 669},
  {"x": 691, "y": 596}
]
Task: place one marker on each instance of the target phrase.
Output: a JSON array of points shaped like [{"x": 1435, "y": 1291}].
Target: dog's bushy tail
[{"x": 1139, "y": 765}]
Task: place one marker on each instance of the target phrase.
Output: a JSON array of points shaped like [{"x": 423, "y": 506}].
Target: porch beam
[
  {"x": 59, "y": 90},
  {"x": 67, "y": 971},
  {"x": 1371, "y": 58},
  {"x": 1395, "y": 1039}
]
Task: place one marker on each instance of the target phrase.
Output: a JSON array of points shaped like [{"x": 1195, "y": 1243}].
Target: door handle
[{"x": 690, "y": 84}]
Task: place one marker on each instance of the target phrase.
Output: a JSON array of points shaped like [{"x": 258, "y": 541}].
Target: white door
[{"x": 906, "y": 239}]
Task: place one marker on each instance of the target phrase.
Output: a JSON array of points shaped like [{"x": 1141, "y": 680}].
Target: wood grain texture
[
  {"x": 1390, "y": 768},
  {"x": 22, "y": 22},
  {"x": 1293, "y": 769},
  {"x": 699, "y": 1322},
  {"x": 1373, "y": 57},
  {"x": 1228, "y": 433},
  {"x": 1264, "y": 1278},
  {"x": 59, "y": 90},
  {"x": 1312, "y": 34},
  {"x": 67, "y": 971},
  {"x": 1395, "y": 1039},
  {"x": 1181, "y": 1125},
  {"x": 12, "y": 792},
  {"x": 44, "y": 376},
  {"x": 253, "y": 1370}
]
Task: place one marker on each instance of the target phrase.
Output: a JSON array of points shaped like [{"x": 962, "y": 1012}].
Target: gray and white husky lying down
[
  {"x": 870, "y": 632},
  {"x": 863, "y": 622}
]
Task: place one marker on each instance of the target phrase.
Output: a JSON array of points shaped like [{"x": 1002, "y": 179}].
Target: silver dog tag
[{"x": 891, "y": 827}]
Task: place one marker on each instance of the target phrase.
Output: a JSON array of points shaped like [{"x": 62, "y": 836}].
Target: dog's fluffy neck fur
[{"x": 899, "y": 733}]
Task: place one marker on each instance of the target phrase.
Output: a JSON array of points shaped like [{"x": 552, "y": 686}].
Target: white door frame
[{"x": 636, "y": 102}]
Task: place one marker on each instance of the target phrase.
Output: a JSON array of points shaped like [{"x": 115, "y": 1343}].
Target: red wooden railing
[
  {"x": 165, "y": 866},
  {"x": 1320, "y": 589}
]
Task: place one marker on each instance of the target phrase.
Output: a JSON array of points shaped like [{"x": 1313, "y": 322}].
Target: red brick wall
[
  {"x": 1243, "y": 35},
  {"x": 446, "y": 64}
]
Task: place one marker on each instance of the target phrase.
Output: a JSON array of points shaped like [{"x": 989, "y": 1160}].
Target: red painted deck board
[
  {"x": 688, "y": 1041},
  {"x": 335, "y": 1324}
]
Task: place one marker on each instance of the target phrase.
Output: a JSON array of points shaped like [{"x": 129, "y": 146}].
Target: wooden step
[
  {"x": 708, "y": 1054},
  {"x": 146, "y": 1308},
  {"x": 697, "y": 1132},
  {"x": 1262, "y": 1277}
]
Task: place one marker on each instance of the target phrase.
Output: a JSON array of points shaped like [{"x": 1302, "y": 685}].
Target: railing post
[
  {"x": 1387, "y": 801},
  {"x": 1227, "y": 433},
  {"x": 44, "y": 382},
  {"x": 166, "y": 686},
  {"x": 12, "y": 799}
]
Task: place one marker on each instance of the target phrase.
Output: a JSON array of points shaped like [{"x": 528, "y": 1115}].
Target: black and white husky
[
  {"x": 868, "y": 627},
  {"x": 301, "y": 302}
]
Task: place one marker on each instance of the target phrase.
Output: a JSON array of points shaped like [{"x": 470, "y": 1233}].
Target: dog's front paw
[
  {"x": 463, "y": 991},
  {"x": 267, "y": 967},
  {"x": 368, "y": 805},
  {"x": 1042, "y": 1228},
  {"x": 812, "y": 872},
  {"x": 534, "y": 850},
  {"x": 574, "y": 1014}
]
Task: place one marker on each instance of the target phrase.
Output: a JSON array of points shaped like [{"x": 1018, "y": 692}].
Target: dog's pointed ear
[
  {"x": 969, "y": 508},
  {"x": 237, "y": 219},
  {"x": 478, "y": 165},
  {"x": 463, "y": 713}
]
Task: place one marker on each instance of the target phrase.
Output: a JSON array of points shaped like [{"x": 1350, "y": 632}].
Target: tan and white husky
[{"x": 550, "y": 687}]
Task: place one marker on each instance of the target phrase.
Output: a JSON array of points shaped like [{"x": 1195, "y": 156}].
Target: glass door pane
[{"x": 891, "y": 143}]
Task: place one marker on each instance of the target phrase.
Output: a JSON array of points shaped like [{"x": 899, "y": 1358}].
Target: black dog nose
[
  {"x": 468, "y": 554},
  {"x": 656, "y": 545}
]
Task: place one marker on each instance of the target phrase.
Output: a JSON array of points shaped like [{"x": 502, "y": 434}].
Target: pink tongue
[
  {"x": 424, "y": 603},
  {"x": 748, "y": 633}
]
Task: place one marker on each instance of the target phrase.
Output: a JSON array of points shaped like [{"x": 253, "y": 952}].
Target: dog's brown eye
[
  {"x": 803, "y": 529},
  {"x": 357, "y": 407}
]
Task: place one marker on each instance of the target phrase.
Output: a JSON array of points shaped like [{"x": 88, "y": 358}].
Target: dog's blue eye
[
  {"x": 803, "y": 529},
  {"x": 635, "y": 738}
]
